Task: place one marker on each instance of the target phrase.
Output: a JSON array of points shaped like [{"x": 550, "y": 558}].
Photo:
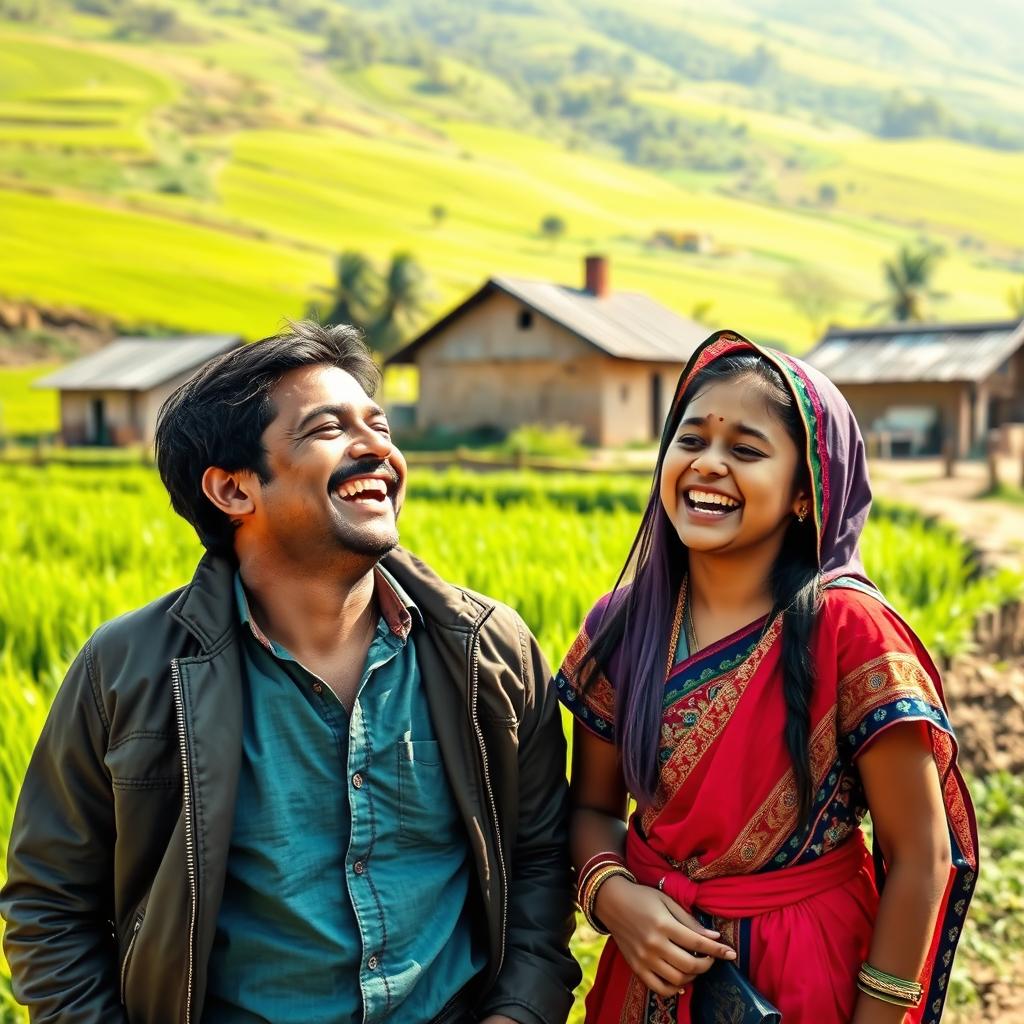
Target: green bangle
[
  {"x": 891, "y": 979},
  {"x": 907, "y": 1004}
]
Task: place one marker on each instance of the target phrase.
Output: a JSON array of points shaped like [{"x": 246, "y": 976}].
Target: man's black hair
[{"x": 218, "y": 416}]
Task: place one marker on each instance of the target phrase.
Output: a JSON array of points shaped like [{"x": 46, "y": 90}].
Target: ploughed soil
[{"x": 986, "y": 702}]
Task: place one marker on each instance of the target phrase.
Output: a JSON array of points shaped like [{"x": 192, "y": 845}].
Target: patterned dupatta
[{"x": 721, "y": 833}]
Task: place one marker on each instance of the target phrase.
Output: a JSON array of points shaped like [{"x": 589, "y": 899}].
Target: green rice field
[{"x": 548, "y": 545}]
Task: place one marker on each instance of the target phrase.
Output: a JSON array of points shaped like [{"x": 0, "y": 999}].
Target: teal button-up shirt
[{"x": 348, "y": 874}]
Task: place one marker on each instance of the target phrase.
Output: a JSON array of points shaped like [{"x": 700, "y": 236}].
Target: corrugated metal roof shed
[
  {"x": 626, "y": 325},
  {"x": 901, "y": 353},
  {"x": 138, "y": 364}
]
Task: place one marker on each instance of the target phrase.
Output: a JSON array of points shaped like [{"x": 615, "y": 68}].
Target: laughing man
[{"x": 318, "y": 784}]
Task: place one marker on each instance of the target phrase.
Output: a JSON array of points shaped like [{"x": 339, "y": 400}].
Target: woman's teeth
[{"x": 708, "y": 501}]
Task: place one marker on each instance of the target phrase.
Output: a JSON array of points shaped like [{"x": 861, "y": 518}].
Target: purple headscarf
[{"x": 835, "y": 455}]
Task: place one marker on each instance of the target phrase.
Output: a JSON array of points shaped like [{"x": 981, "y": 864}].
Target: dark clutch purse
[{"x": 725, "y": 996}]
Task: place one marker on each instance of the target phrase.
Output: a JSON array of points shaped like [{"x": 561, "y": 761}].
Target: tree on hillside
[
  {"x": 905, "y": 117},
  {"x": 351, "y": 44},
  {"x": 552, "y": 227},
  {"x": 756, "y": 67},
  {"x": 26, "y": 10},
  {"x": 438, "y": 214},
  {"x": 908, "y": 277},
  {"x": 1015, "y": 299},
  {"x": 356, "y": 293},
  {"x": 813, "y": 293},
  {"x": 403, "y": 304}
]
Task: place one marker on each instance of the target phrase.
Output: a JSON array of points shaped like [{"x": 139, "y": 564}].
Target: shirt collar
[{"x": 396, "y": 607}]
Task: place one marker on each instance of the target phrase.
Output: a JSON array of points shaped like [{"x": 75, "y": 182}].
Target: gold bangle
[
  {"x": 590, "y": 870},
  {"x": 588, "y": 882},
  {"x": 882, "y": 997},
  {"x": 591, "y": 913},
  {"x": 596, "y": 881},
  {"x": 590, "y": 897}
]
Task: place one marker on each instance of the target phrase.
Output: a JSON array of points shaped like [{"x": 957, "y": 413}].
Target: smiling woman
[
  {"x": 737, "y": 472},
  {"x": 746, "y": 622}
]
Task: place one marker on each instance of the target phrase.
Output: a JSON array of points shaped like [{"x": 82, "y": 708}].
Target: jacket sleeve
[
  {"x": 57, "y": 900},
  {"x": 539, "y": 973}
]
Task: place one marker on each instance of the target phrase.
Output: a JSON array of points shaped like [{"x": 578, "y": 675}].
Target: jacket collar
[
  {"x": 206, "y": 607},
  {"x": 441, "y": 603}
]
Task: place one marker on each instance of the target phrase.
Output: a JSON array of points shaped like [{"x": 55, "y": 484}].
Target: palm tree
[
  {"x": 355, "y": 293},
  {"x": 403, "y": 303},
  {"x": 908, "y": 278}
]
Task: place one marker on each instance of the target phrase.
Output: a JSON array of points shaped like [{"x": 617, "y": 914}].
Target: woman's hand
[{"x": 664, "y": 945}]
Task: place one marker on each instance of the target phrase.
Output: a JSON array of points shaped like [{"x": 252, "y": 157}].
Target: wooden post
[
  {"x": 992, "y": 450},
  {"x": 949, "y": 456}
]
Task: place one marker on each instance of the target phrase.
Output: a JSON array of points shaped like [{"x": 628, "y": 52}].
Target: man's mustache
[{"x": 342, "y": 476}]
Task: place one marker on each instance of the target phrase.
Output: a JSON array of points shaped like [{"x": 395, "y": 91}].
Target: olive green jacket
[{"x": 120, "y": 841}]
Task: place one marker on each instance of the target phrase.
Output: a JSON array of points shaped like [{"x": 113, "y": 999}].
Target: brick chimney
[{"x": 596, "y": 279}]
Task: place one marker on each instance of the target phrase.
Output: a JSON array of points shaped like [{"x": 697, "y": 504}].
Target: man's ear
[{"x": 230, "y": 492}]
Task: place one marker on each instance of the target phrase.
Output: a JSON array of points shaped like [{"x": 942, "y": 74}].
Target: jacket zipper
[
  {"x": 128, "y": 955},
  {"x": 474, "y": 694},
  {"x": 179, "y": 710}
]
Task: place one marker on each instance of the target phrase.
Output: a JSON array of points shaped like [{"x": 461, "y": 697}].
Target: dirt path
[{"x": 995, "y": 527}]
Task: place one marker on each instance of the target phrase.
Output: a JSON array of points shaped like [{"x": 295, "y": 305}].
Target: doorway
[
  {"x": 99, "y": 433},
  {"x": 657, "y": 407}
]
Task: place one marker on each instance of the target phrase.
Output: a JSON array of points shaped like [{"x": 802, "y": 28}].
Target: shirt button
[
  {"x": 318, "y": 688},
  {"x": 373, "y": 962},
  {"x": 359, "y": 867},
  {"x": 357, "y": 780}
]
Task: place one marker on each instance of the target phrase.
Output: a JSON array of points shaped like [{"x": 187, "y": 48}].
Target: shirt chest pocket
[{"x": 426, "y": 806}]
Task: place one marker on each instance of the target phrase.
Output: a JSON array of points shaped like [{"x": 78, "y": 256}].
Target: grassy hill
[{"x": 200, "y": 168}]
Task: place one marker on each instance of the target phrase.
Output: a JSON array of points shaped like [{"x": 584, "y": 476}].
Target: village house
[
  {"x": 521, "y": 352},
  {"x": 112, "y": 396},
  {"x": 916, "y": 388}
]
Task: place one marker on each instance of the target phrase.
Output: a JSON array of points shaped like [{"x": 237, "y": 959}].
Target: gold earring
[{"x": 802, "y": 514}]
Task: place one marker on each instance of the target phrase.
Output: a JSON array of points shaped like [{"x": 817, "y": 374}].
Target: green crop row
[{"x": 79, "y": 545}]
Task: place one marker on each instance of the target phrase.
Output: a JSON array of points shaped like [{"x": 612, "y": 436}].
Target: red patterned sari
[{"x": 721, "y": 836}]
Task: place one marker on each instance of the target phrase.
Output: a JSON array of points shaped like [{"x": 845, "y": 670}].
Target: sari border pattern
[
  {"x": 689, "y": 675},
  {"x": 773, "y": 823},
  {"x": 896, "y": 688},
  {"x": 594, "y": 707},
  {"x": 709, "y": 719}
]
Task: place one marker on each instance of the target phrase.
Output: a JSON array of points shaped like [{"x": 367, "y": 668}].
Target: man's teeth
[
  {"x": 709, "y": 498},
  {"x": 363, "y": 488}
]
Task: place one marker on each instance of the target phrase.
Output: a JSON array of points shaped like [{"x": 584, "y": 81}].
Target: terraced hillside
[{"x": 199, "y": 168}]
